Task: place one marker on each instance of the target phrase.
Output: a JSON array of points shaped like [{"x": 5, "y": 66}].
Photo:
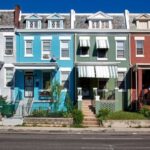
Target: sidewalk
[{"x": 19, "y": 129}]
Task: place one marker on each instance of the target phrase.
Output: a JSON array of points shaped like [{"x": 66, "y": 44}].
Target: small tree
[
  {"x": 68, "y": 103},
  {"x": 56, "y": 94}
]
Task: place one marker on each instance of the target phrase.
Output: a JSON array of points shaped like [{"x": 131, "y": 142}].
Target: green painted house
[{"x": 102, "y": 60}]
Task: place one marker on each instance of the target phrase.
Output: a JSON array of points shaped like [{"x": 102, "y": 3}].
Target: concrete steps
[{"x": 90, "y": 119}]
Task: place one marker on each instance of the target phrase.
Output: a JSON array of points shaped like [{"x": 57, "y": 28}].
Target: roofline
[
  {"x": 45, "y": 14},
  {"x": 96, "y": 63},
  {"x": 6, "y": 27},
  {"x": 5, "y": 10}
]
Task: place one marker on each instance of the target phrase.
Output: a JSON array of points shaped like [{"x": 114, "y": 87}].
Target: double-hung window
[
  {"x": 28, "y": 48},
  {"x": 65, "y": 79},
  {"x": 120, "y": 49},
  {"x": 9, "y": 45},
  {"x": 139, "y": 47},
  {"x": 64, "y": 49},
  {"x": 8, "y": 76},
  {"x": 46, "y": 49}
]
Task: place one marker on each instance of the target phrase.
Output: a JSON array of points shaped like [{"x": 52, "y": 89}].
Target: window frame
[
  {"x": 124, "y": 50},
  {"x": 42, "y": 48},
  {"x": 25, "y": 48},
  {"x": 124, "y": 80},
  {"x": 139, "y": 55},
  {"x": 61, "y": 49},
  {"x": 9, "y": 36}
]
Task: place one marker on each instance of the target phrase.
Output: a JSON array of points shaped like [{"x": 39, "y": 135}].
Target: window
[
  {"x": 102, "y": 83},
  {"x": 84, "y": 52},
  {"x": 65, "y": 79},
  {"x": 139, "y": 47},
  {"x": 46, "y": 49},
  {"x": 101, "y": 53},
  {"x": 104, "y": 24},
  {"x": 46, "y": 80},
  {"x": 143, "y": 25},
  {"x": 9, "y": 76},
  {"x": 121, "y": 80},
  {"x": 64, "y": 49},
  {"x": 28, "y": 48},
  {"x": 33, "y": 24},
  {"x": 95, "y": 24},
  {"x": 9, "y": 45},
  {"x": 120, "y": 46}
]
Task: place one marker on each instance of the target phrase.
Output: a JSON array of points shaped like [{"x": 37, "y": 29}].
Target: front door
[{"x": 29, "y": 86}]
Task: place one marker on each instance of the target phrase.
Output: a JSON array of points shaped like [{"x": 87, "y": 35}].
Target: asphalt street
[{"x": 72, "y": 141}]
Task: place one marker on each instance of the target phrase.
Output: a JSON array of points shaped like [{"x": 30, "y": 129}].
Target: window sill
[
  {"x": 8, "y": 55},
  {"x": 28, "y": 55},
  {"x": 102, "y": 58},
  {"x": 121, "y": 90},
  {"x": 84, "y": 56},
  {"x": 121, "y": 59},
  {"x": 139, "y": 55},
  {"x": 65, "y": 58}
]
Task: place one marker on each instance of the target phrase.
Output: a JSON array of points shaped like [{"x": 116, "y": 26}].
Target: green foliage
[
  {"x": 102, "y": 115},
  {"x": 122, "y": 115},
  {"x": 77, "y": 117},
  {"x": 68, "y": 103},
  {"x": 47, "y": 113},
  {"x": 5, "y": 108},
  {"x": 56, "y": 93},
  {"x": 145, "y": 111}
]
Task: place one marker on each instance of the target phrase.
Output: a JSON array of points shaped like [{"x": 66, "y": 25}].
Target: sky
[{"x": 83, "y": 6}]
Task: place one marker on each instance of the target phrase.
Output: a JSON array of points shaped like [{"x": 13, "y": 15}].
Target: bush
[
  {"x": 39, "y": 113},
  {"x": 77, "y": 117},
  {"x": 145, "y": 111},
  {"x": 102, "y": 114}
]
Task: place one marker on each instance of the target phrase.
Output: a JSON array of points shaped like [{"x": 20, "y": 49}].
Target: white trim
[
  {"x": 28, "y": 37},
  {"x": 46, "y": 37},
  {"x": 120, "y": 38},
  {"x": 139, "y": 38},
  {"x": 122, "y": 69},
  {"x": 102, "y": 58},
  {"x": 121, "y": 59},
  {"x": 7, "y": 10},
  {"x": 65, "y": 69},
  {"x": 139, "y": 55},
  {"x": 101, "y": 38},
  {"x": 8, "y": 34},
  {"x": 84, "y": 55},
  {"x": 64, "y": 37},
  {"x": 25, "y": 52},
  {"x": 42, "y": 52},
  {"x": 8, "y": 65},
  {"x": 123, "y": 50},
  {"x": 30, "y": 67},
  {"x": 84, "y": 38},
  {"x": 65, "y": 58}
]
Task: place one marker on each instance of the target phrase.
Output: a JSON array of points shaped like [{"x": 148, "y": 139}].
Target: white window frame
[
  {"x": 42, "y": 51},
  {"x": 123, "y": 39},
  {"x": 5, "y": 45},
  {"x": 5, "y": 68},
  {"x": 61, "y": 40},
  {"x": 28, "y": 38},
  {"x": 65, "y": 69},
  {"x": 139, "y": 39},
  {"x": 35, "y": 20},
  {"x": 55, "y": 27},
  {"x": 124, "y": 70}
]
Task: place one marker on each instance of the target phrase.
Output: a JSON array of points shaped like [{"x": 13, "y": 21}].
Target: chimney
[
  {"x": 72, "y": 18},
  {"x": 127, "y": 18},
  {"x": 16, "y": 16}
]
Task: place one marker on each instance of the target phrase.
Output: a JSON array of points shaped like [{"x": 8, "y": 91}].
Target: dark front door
[{"x": 29, "y": 86}]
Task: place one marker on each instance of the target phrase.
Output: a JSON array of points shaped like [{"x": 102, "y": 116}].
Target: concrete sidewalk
[{"x": 12, "y": 129}]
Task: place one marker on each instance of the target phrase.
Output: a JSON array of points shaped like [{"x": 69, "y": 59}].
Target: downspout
[{"x": 136, "y": 87}]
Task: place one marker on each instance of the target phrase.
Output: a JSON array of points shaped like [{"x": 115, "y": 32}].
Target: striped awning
[
  {"x": 102, "y": 43},
  {"x": 84, "y": 41},
  {"x": 86, "y": 72},
  {"x": 106, "y": 71},
  {"x": 97, "y": 71}
]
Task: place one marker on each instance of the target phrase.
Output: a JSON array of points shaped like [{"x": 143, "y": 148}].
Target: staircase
[{"x": 90, "y": 119}]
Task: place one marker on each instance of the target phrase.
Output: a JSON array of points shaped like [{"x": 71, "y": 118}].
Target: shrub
[
  {"x": 68, "y": 103},
  {"x": 102, "y": 114},
  {"x": 77, "y": 117},
  {"x": 145, "y": 111},
  {"x": 39, "y": 113}
]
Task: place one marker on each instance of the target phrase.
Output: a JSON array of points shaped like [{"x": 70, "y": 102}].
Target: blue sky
[{"x": 78, "y": 5}]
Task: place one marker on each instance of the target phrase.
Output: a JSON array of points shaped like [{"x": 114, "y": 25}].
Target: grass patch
[{"x": 122, "y": 115}]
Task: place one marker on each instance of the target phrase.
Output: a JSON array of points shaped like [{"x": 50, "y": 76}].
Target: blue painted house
[{"x": 44, "y": 55}]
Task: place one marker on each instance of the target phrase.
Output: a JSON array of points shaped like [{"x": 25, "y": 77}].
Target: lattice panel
[{"x": 107, "y": 105}]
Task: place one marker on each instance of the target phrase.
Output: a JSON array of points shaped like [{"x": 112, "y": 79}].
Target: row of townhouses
[{"x": 98, "y": 56}]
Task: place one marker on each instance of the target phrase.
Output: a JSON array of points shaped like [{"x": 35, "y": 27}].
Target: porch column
[{"x": 139, "y": 84}]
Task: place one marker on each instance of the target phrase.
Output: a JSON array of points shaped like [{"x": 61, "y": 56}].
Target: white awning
[
  {"x": 106, "y": 71},
  {"x": 86, "y": 72},
  {"x": 102, "y": 43},
  {"x": 84, "y": 41}
]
